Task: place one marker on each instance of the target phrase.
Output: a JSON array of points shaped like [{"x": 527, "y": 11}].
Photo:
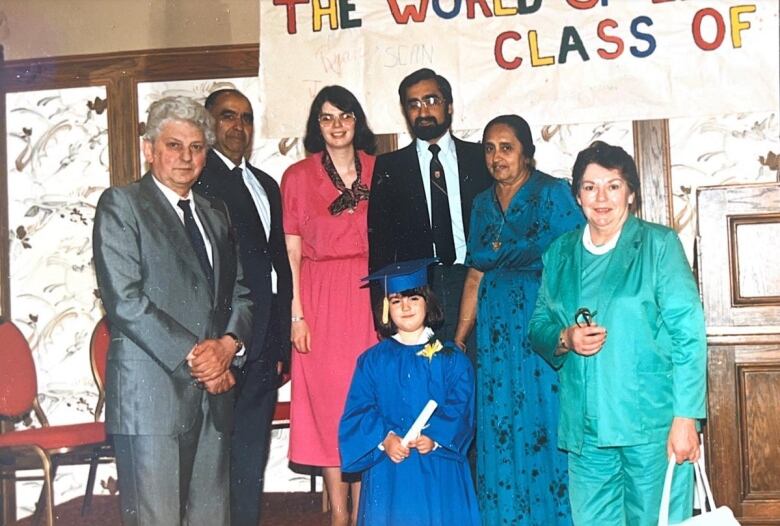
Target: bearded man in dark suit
[
  {"x": 255, "y": 208},
  {"x": 171, "y": 283},
  {"x": 420, "y": 202}
]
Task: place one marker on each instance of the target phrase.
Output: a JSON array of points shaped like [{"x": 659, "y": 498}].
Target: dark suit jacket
[
  {"x": 159, "y": 304},
  {"x": 257, "y": 255},
  {"x": 399, "y": 227}
]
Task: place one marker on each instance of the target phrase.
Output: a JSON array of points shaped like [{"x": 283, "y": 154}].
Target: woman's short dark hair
[
  {"x": 344, "y": 100},
  {"x": 425, "y": 74},
  {"x": 611, "y": 158},
  {"x": 522, "y": 131},
  {"x": 434, "y": 314}
]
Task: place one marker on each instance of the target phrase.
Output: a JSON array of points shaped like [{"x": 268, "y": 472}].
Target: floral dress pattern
[{"x": 521, "y": 475}]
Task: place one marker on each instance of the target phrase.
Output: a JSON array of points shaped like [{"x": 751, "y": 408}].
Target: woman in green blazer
[{"x": 633, "y": 366}]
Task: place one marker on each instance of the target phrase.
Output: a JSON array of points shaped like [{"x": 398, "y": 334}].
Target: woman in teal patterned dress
[{"x": 521, "y": 475}]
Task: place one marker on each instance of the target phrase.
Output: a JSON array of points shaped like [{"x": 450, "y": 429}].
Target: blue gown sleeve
[
  {"x": 362, "y": 427},
  {"x": 452, "y": 424}
]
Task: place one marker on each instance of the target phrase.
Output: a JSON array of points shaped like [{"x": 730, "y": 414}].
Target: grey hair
[{"x": 178, "y": 108}]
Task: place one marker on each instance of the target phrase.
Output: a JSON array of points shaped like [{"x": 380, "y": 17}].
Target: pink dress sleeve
[{"x": 292, "y": 199}]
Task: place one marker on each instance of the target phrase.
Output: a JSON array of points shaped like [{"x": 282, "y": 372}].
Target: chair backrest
[
  {"x": 18, "y": 380},
  {"x": 98, "y": 357}
]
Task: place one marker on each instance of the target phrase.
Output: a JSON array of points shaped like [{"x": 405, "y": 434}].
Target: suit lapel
[
  {"x": 468, "y": 183},
  {"x": 413, "y": 189},
  {"x": 160, "y": 212},
  {"x": 623, "y": 255},
  {"x": 210, "y": 222}
]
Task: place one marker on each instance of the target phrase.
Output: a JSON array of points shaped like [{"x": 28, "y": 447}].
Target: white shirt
[
  {"x": 449, "y": 161},
  {"x": 174, "y": 198},
  {"x": 259, "y": 197}
]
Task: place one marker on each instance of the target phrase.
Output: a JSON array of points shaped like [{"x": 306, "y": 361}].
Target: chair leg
[
  {"x": 45, "y": 504},
  {"x": 85, "y": 505}
]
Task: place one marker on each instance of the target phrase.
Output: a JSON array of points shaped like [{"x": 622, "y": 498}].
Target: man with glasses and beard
[{"x": 421, "y": 195}]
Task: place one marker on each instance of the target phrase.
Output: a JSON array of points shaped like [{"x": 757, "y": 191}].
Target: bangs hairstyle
[
  {"x": 182, "y": 109},
  {"x": 434, "y": 315},
  {"x": 345, "y": 101},
  {"x": 611, "y": 158}
]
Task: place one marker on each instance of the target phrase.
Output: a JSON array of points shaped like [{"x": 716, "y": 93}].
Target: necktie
[
  {"x": 441, "y": 221},
  {"x": 196, "y": 240}
]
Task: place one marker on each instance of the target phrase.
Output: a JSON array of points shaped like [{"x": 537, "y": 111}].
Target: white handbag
[{"x": 722, "y": 516}]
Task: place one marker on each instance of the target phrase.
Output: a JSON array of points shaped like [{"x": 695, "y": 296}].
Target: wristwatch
[{"x": 236, "y": 340}]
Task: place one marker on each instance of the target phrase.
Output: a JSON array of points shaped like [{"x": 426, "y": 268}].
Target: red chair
[
  {"x": 46, "y": 447},
  {"x": 98, "y": 357}
]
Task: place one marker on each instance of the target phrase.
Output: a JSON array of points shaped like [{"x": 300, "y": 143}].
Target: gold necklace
[{"x": 496, "y": 243}]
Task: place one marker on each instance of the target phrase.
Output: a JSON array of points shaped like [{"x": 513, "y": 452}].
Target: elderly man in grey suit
[{"x": 171, "y": 284}]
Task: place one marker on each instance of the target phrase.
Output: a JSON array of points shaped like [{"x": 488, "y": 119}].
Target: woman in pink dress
[{"x": 325, "y": 203}]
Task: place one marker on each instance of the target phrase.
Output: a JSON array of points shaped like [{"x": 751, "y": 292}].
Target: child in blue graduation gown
[{"x": 429, "y": 482}]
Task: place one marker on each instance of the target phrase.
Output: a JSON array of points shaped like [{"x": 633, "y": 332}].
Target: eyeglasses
[
  {"x": 583, "y": 317},
  {"x": 328, "y": 119},
  {"x": 431, "y": 101}
]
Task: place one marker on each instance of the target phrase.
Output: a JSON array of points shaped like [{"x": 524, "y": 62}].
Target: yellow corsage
[{"x": 429, "y": 350}]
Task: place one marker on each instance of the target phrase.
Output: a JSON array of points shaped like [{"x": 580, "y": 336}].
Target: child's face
[{"x": 407, "y": 312}]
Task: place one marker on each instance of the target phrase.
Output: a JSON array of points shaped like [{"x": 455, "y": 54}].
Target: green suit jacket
[{"x": 653, "y": 364}]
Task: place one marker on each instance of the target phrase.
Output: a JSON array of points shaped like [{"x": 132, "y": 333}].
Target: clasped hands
[
  {"x": 398, "y": 453},
  {"x": 210, "y": 361}
]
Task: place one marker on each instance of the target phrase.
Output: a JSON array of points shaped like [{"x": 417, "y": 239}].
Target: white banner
[{"x": 551, "y": 61}]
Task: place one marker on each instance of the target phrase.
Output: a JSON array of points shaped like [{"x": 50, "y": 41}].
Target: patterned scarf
[{"x": 349, "y": 197}]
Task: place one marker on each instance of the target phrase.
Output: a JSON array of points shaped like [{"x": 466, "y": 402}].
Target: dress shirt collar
[
  {"x": 171, "y": 196},
  {"x": 445, "y": 142},
  {"x": 424, "y": 337},
  {"x": 230, "y": 164}
]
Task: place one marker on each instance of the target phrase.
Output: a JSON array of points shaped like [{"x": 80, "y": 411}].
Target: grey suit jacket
[{"x": 159, "y": 305}]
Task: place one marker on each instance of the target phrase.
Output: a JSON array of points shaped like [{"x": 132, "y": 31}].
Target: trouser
[
  {"x": 447, "y": 284},
  {"x": 256, "y": 394},
  {"x": 168, "y": 480},
  {"x": 622, "y": 486}
]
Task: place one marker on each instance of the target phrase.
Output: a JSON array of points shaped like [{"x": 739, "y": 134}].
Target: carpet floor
[{"x": 279, "y": 509}]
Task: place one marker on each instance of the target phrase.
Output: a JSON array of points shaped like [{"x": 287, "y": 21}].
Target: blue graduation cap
[{"x": 401, "y": 276}]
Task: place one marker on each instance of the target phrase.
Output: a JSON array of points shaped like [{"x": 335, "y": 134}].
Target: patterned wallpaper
[
  {"x": 58, "y": 165},
  {"x": 728, "y": 149}
]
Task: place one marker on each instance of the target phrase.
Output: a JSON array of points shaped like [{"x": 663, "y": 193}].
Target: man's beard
[{"x": 427, "y": 133}]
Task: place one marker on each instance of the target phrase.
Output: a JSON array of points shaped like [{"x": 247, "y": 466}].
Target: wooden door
[{"x": 739, "y": 274}]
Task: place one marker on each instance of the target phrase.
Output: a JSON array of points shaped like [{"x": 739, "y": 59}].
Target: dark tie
[
  {"x": 196, "y": 240},
  {"x": 441, "y": 221}
]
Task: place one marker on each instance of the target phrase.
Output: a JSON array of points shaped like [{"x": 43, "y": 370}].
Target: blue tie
[{"x": 196, "y": 240}]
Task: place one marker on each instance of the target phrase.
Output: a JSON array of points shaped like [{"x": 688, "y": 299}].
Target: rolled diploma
[{"x": 419, "y": 423}]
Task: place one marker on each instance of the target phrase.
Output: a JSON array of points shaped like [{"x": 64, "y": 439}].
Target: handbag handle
[{"x": 703, "y": 490}]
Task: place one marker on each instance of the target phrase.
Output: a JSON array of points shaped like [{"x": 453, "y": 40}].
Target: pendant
[
  {"x": 351, "y": 211},
  {"x": 496, "y": 245}
]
